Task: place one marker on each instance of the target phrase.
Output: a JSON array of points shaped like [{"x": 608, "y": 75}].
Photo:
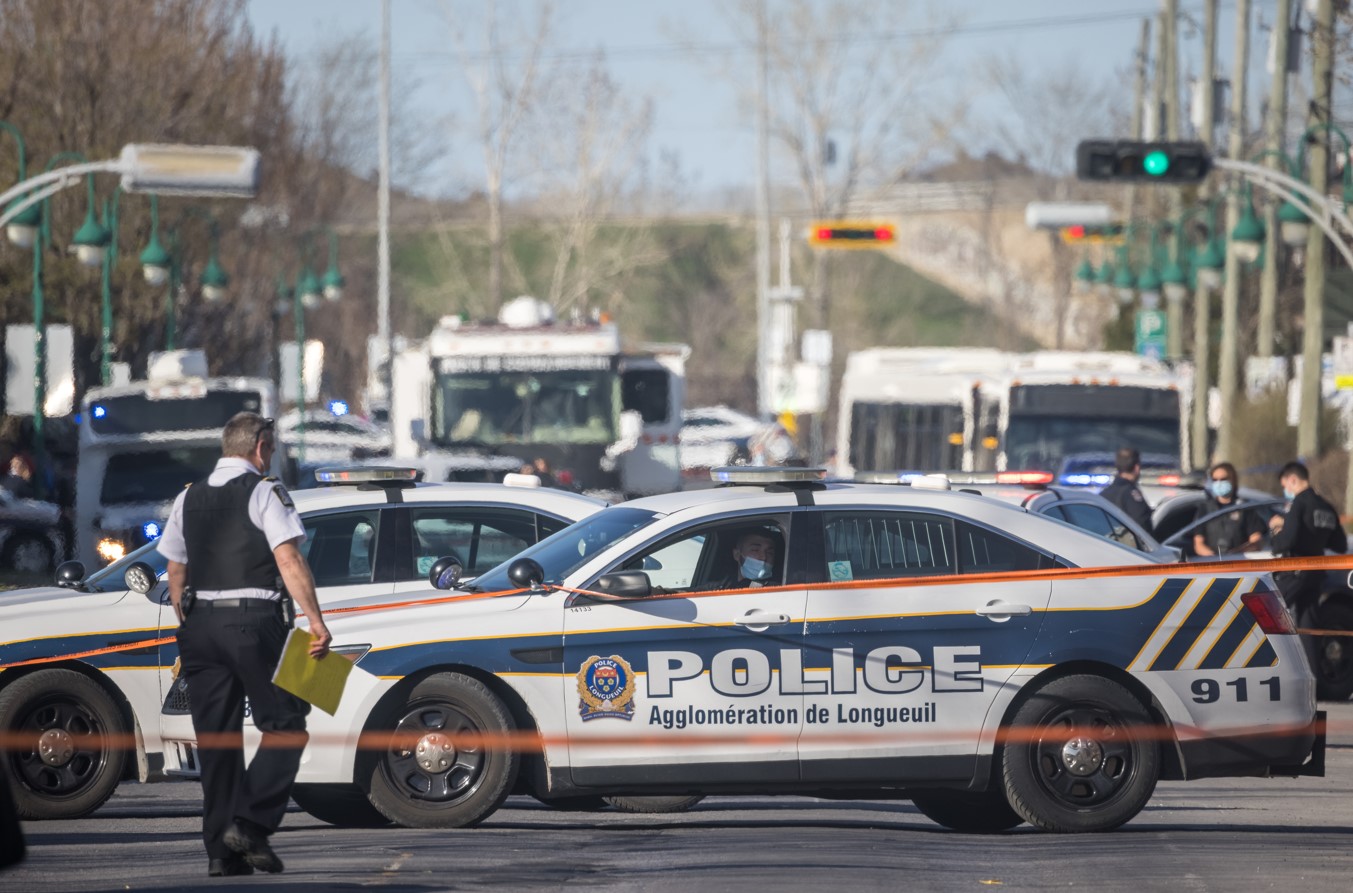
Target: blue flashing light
[
  {"x": 909, "y": 477},
  {"x": 1087, "y": 480},
  {"x": 152, "y": 530},
  {"x": 98, "y": 410},
  {"x": 338, "y": 407}
]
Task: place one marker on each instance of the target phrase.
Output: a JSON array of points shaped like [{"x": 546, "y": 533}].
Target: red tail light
[
  {"x": 1168, "y": 480},
  {"x": 1024, "y": 477},
  {"x": 1269, "y": 609}
]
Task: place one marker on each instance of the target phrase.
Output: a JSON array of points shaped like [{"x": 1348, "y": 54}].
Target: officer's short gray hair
[{"x": 242, "y": 434}]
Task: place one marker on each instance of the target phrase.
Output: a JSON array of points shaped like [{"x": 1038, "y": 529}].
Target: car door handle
[
  {"x": 999, "y": 608},
  {"x": 758, "y": 620}
]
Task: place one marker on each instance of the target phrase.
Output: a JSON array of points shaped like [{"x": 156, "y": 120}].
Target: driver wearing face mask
[
  {"x": 1235, "y": 531},
  {"x": 754, "y": 556}
]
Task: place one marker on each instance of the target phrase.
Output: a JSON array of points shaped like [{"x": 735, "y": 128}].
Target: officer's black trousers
[{"x": 229, "y": 653}]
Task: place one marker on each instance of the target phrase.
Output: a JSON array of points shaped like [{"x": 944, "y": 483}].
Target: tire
[
  {"x": 972, "y": 812},
  {"x": 1332, "y": 656},
  {"x": 340, "y": 805},
  {"x": 1117, "y": 765},
  {"x": 674, "y": 803},
  {"x": 583, "y": 803},
  {"x": 55, "y": 771},
  {"x": 29, "y": 554},
  {"x": 421, "y": 779}
]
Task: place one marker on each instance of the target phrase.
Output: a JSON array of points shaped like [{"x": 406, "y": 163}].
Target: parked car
[
  {"x": 712, "y": 436},
  {"x": 31, "y": 538},
  {"x": 332, "y": 439},
  {"x": 64, "y": 669}
]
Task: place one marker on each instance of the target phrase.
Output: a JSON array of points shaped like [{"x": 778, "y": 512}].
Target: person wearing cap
[
  {"x": 1124, "y": 492},
  {"x": 233, "y": 545}
]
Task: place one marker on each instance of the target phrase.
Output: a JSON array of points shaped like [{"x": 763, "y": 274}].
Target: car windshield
[
  {"x": 109, "y": 579},
  {"x": 566, "y": 406},
  {"x": 155, "y": 475},
  {"x": 566, "y": 551}
]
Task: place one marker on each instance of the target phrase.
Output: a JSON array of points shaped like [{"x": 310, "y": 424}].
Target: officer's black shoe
[
  {"x": 228, "y": 867},
  {"x": 252, "y": 847}
]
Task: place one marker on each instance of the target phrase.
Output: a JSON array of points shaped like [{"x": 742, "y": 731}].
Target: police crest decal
[{"x": 606, "y": 688}]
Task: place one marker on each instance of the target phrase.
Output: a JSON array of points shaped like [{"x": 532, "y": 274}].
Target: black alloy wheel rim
[
  {"x": 428, "y": 760},
  {"x": 64, "y": 749},
  {"x": 1083, "y": 757}
]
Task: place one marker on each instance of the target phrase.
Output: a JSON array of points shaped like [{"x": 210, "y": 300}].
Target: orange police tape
[
  {"x": 532, "y": 742},
  {"x": 1210, "y": 568}
]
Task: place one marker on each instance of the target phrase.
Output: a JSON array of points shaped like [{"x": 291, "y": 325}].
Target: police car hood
[
  {"x": 387, "y": 620},
  {"x": 43, "y": 603}
]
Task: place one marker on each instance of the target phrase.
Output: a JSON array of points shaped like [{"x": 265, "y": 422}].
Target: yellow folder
[{"x": 318, "y": 681}]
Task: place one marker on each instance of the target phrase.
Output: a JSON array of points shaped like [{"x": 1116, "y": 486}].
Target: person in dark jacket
[
  {"x": 1124, "y": 492},
  {"x": 1234, "y": 532},
  {"x": 1310, "y": 527}
]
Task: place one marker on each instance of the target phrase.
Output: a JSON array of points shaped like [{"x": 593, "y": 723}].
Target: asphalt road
[{"x": 1219, "y": 835}]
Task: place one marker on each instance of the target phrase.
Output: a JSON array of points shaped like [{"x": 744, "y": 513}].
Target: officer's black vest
[{"x": 225, "y": 549}]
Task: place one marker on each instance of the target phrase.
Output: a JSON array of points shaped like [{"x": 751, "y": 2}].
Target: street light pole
[
  {"x": 1313, "y": 338},
  {"x": 106, "y": 319}
]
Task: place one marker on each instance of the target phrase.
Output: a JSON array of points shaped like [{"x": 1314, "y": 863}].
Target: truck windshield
[
  {"x": 155, "y": 475},
  {"x": 493, "y": 408},
  {"x": 566, "y": 551},
  {"x": 1040, "y": 443}
]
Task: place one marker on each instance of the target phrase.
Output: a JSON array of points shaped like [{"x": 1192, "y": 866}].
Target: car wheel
[
  {"x": 972, "y": 812},
  {"x": 585, "y": 803},
  {"x": 1333, "y": 655},
  {"x": 1080, "y": 756},
  {"x": 63, "y": 762},
  {"x": 340, "y": 805},
  {"x": 425, "y": 777},
  {"x": 29, "y": 554},
  {"x": 676, "y": 803}
]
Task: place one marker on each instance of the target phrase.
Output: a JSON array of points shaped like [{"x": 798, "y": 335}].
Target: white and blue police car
[
  {"x": 785, "y": 635},
  {"x": 86, "y": 666}
]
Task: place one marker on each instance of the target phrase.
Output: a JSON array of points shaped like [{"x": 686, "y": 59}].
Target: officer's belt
[{"x": 241, "y": 604}]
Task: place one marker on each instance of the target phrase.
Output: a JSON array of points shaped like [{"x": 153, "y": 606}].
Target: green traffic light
[{"x": 1156, "y": 163}]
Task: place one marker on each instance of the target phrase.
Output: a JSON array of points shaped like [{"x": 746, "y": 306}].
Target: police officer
[
  {"x": 1124, "y": 492},
  {"x": 1235, "y": 531},
  {"x": 232, "y": 543},
  {"x": 754, "y": 557},
  {"x": 1310, "y": 526}
]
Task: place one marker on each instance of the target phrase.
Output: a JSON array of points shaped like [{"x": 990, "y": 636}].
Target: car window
[
  {"x": 566, "y": 551},
  {"x": 480, "y": 538},
  {"x": 985, "y": 551},
  {"x": 879, "y": 545},
  {"x": 645, "y": 390},
  {"x": 1178, "y": 515},
  {"x": 341, "y": 548},
  {"x": 1094, "y": 519},
  {"x": 702, "y": 557}
]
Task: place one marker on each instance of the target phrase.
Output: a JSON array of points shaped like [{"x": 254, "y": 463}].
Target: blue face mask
[
  {"x": 1288, "y": 494},
  {"x": 1221, "y": 489},
  {"x": 754, "y": 569}
]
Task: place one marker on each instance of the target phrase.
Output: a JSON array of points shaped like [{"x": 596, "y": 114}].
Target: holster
[
  {"x": 288, "y": 607},
  {"x": 187, "y": 600}
]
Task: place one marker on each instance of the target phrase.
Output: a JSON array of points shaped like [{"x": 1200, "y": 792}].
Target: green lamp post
[
  {"x": 1085, "y": 275},
  {"x": 1248, "y": 236},
  {"x": 22, "y": 231}
]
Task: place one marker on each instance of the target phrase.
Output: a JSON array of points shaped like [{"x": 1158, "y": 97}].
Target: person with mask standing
[
  {"x": 1234, "y": 532},
  {"x": 1124, "y": 492},
  {"x": 1310, "y": 527}
]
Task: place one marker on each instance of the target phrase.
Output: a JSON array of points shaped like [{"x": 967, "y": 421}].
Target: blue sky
[{"x": 696, "y": 112}]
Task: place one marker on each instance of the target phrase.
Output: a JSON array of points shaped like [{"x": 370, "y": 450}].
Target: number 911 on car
[{"x": 785, "y": 635}]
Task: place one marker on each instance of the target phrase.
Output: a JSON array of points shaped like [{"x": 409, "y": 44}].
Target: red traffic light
[{"x": 851, "y": 234}]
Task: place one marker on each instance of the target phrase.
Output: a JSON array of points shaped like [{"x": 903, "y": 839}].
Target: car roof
[{"x": 545, "y": 499}]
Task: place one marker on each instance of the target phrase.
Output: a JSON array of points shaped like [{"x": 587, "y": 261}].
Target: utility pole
[
  {"x": 384, "y": 333},
  {"x": 1174, "y": 307},
  {"x": 1138, "y": 105},
  {"x": 1313, "y": 340},
  {"x": 764, "y": 402},
  {"x": 1230, "y": 294},
  {"x": 1275, "y": 128},
  {"x": 1202, "y": 295}
]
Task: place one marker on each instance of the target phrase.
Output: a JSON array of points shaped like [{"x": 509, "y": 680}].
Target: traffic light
[
  {"x": 1152, "y": 162},
  {"x": 1084, "y": 234},
  {"x": 851, "y": 234}
]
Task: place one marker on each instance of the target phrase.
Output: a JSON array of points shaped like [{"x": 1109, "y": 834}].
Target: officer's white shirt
[{"x": 279, "y": 522}]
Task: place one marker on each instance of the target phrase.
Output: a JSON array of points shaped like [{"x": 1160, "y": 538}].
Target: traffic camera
[{"x": 1154, "y": 162}]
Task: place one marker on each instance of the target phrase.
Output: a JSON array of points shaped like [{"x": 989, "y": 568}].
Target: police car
[
  {"x": 372, "y": 535},
  {"x": 991, "y": 665}
]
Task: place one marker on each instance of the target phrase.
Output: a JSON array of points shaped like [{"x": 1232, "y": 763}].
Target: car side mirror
[
  {"x": 526, "y": 573},
  {"x": 445, "y": 572},
  {"x": 139, "y": 577},
  {"x": 625, "y": 584},
  {"x": 69, "y": 574}
]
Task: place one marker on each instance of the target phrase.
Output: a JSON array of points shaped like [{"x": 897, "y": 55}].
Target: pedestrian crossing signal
[
  {"x": 851, "y": 234},
  {"x": 1136, "y": 160}
]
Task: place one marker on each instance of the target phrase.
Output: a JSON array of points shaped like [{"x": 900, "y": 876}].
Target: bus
[
  {"x": 979, "y": 410},
  {"x": 480, "y": 399},
  {"x": 141, "y": 443}
]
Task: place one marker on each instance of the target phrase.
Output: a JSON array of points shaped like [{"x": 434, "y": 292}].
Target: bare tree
[{"x": 503, "y": 65}]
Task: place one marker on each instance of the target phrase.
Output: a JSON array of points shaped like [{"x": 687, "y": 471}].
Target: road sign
[
  {"x": 851, "y": 234},
  {"x": 1055, "y": 215},
  {"x": 228, "y": 171},
  {"x": 1150, "y": 333}
]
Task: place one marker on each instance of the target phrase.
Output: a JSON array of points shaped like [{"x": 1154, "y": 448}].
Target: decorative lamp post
[
  {"x": 1294, "y": 227},
  {"x": 1125, "y": 284},
  {"x": 1104, "y": 279},
  {"x": 155, "y": 261},
  {"x": 1085, "y": 276},
  {"x": 22, "y": 231},
  {"x": 1248, "y": 236},
  {"x": 333, "y": 279}
]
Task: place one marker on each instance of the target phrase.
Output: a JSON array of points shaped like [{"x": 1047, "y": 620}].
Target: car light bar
[
  {"x": 374, "y": 474},
  {"x": 1087, "y": 480},
  {"x": 755, "y": 474},
  {"x": 1270, "y": 611},
  {"x": 887, "y": 477},
  {"x": 1024, "y": 477}
]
